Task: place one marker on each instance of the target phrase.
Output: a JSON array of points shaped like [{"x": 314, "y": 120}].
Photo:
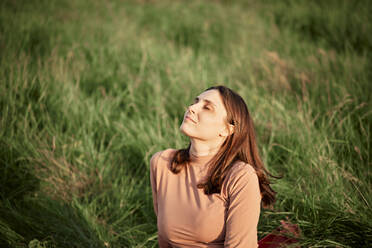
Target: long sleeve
[
  {"x": 153, "y": 172},
  {"x": 244, "y": 209},
  {"x": 153, "y": 162}
]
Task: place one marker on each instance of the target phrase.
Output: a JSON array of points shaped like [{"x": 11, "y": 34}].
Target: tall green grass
[{"x": 89, "y": 90}]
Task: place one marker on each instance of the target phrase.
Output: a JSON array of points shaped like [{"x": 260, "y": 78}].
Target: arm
[
  {"x": 153, "y": 161},
  {"x": 153, "y": 167},
  {"x": 244, "y": 209}
]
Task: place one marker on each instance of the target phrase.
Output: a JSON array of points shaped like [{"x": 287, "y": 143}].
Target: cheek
[
  {"x": 207, "y": 128},
  {"x": 211, "y": 129},
  {"x": 212, "y": 123}
]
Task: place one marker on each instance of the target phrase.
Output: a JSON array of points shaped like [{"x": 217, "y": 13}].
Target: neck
[{"x": 200, "y": 148}]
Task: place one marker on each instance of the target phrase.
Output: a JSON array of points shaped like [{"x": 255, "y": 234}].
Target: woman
[{"x": 209, "y": 194}]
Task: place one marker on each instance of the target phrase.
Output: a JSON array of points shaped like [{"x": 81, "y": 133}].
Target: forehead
[{"x": 214, "y": 97}]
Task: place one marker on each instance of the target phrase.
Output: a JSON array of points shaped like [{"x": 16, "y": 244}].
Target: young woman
[{"x": 209, "y": 194}]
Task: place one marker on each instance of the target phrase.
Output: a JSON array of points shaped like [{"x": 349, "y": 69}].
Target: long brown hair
[{"x": 241, "y": 145}]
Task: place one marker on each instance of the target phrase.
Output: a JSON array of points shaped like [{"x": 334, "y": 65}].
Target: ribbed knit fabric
[{"x": 186, "y": 217}]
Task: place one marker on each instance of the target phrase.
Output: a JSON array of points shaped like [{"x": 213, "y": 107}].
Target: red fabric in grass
[{"x": 280, "y": 236}]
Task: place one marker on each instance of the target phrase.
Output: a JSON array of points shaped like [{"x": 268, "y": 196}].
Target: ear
[
  {"x": 231, "y": 129},
  {"x": 228, "y": 130}
]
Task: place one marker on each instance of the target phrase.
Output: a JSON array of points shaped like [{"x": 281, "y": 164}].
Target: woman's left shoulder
[
  {"x": 242, "y": 168},
  {"x": 240, "y": 175}
]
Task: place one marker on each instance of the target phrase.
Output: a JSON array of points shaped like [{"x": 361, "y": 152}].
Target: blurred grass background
[{"x": 89, "y": 90}]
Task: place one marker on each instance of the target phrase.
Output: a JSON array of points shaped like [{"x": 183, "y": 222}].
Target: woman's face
[{"x": 205, "y": 119}]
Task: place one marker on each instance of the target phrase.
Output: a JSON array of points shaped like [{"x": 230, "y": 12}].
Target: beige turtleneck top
[{"x": 186, "y": 217}]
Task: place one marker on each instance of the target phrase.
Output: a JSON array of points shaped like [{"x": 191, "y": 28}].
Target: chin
[{"x": 184, "y": 129}]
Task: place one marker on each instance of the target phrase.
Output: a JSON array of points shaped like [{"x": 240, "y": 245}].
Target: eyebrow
[{"x": 207, "y": 101}]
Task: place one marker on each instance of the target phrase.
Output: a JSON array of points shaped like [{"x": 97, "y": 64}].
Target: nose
[{"x": 190, "y": 108}]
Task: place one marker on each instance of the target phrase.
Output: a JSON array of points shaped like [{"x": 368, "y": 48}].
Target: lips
[{"x": 189, "y": 118}]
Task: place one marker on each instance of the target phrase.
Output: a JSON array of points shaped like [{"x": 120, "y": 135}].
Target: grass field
[{"x": 89, "y": 90}]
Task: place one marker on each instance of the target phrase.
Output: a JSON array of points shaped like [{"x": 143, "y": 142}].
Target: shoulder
[
  {"x": 241, "y": 168},
  {"x": 240, "y": 175},
  {"x": 161, "y": 157}
]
